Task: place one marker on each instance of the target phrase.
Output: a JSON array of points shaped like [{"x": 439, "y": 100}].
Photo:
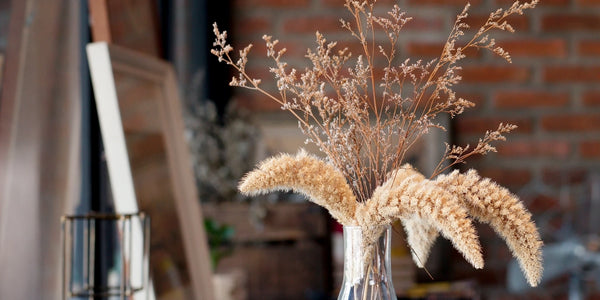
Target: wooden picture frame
[{"x": 149, "y": 165}]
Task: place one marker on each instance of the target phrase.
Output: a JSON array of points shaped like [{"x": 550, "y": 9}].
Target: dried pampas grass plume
[
  {"x": 425, "y": 207},
  {"x": 408, "y": 195},
  {"x": 420, "y": 236},
  {"x": 493, "y": 204},
  {"x": 421, "y": 233},
  {"x": 321, "y": 182},
  {"x": 385, "y": 206},
  {"x": 489, "y": 203}
]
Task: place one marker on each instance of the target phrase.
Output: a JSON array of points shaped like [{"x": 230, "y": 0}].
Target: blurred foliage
[
  {"x": 219, "y": 240},
  {"x": 222, "y": 151}
]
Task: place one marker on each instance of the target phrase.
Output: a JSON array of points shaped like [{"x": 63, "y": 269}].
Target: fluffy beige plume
[
  {"x": 420, "y": 235},
  {"x": 306, "y": 174},
  {"x": 384, "y": 207},
  {"x": 420, "y": 232},
  {"x": 408, "y": 195},
  {"x": 426, "y": 208},
  {"x": 493, "y": 204}
]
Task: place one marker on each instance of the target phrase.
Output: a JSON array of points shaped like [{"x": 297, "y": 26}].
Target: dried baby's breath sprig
[
  {"x": 222, "y": 51},
  {"x": 305, "y": 174},
  {"x": 365, "y": 120},
  {"x": 458, "y": 154}
]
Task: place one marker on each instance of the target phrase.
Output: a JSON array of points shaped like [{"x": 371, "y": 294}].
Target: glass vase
[{"x": 367, "y": 267}]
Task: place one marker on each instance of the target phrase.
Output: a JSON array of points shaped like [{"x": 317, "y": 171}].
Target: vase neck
[{"x": 365, "y": 256}]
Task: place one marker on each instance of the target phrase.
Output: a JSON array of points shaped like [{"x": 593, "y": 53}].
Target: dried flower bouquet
[{"x": 364, "y": 117}]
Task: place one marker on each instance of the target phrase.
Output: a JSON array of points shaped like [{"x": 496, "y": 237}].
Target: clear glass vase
[{"x": 367, "y": 268}]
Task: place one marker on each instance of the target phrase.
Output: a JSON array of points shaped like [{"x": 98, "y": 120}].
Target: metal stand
[{"x": 124, "y": 240}]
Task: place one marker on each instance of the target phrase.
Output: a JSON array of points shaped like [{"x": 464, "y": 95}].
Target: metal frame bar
[{"x": 89, "y": 222}]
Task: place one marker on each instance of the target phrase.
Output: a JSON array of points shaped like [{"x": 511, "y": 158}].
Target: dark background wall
[{"x": 4, "y": 20}]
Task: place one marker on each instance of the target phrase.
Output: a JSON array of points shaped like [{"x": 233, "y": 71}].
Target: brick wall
[{"x": 551, "y": 91}]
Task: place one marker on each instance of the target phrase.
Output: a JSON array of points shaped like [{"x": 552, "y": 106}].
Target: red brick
[
  {"x": 434, "y": 50},
  {"x": 479, "y": 125},
  {"x": 256, "y": 102},
  {"x": 563, "y": 176},
  {"x": 542, "y": 3},
  {"x": 591, "y": 98},
  {"x": 354, "y": 47},
  {"x": 336, "y": 3},
  {"x": 507, "y": 177},
  {"x": 590, "y": 149},
  {"x": 425, "y": 49},
  {"x": 557, "y": 149},
  {"x": 535, "y": 47},
  {"x": 530, "y": 99},
  {"x": 589, "y": 48},
  {"x": 570, "y": 21},
  {"x": 444, "y": 2},
  {"x": 588, "y": 2},
  {"x": 518, "y": 22},
  {"x": 252, "y": 25},
  {"x": 541, "y": 203},
  {"x": 573, "y": 73},
  {"x": 425, "y": 23},
  {"x": 494, "y": 74},
  {"x": 571, "y": 122},
  {"x": 310, "y": 25},
  {"x": 271, "y": 3}
]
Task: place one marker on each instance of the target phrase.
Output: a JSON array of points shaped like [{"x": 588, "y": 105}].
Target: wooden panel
[
  {"x": 8, "y": 100},
  {"x": 284, "y": 255},
  {"x": 132, "y": 24},
  {"x": 282, "y": 271},
  {"x": 137, "y": 97},
  {"x": 403, "y": 267},
  {"x": 99, "y": 21},
  {"x": 39, "y": 144}
]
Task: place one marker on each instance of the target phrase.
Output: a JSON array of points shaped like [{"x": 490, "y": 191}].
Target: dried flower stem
[{"x": 357, "y": 116}]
